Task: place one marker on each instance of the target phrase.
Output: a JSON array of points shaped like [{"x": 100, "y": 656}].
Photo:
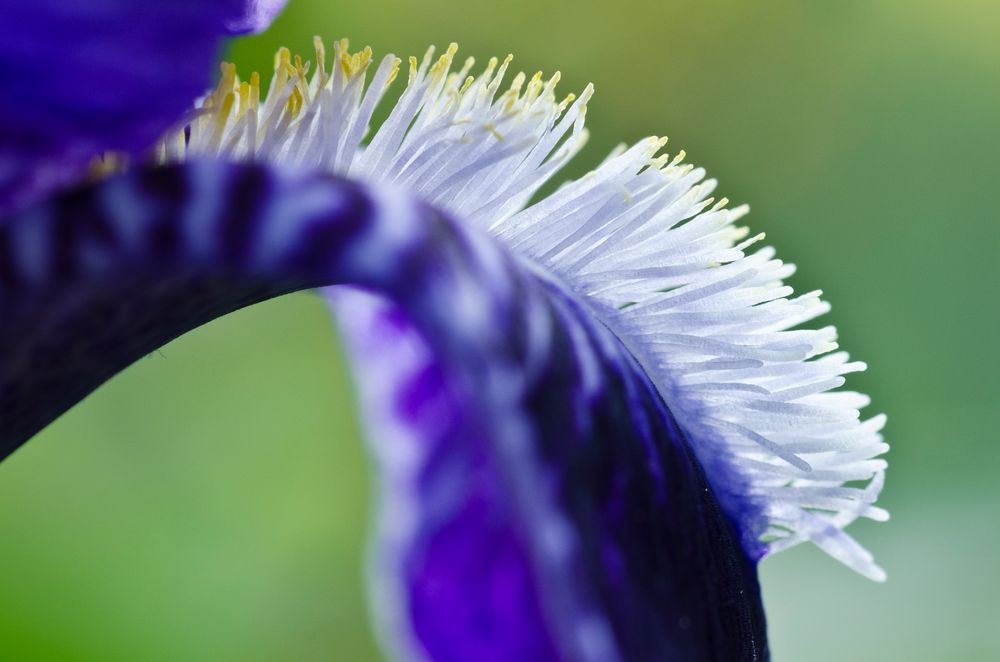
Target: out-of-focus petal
[
  {"x": 256, "y": 17},
  {"x": 539, "y": 500},
  {"x": 78, "y": 78}
]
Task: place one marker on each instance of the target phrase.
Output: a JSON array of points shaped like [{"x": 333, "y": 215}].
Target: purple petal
[
  {"x": 591, "y": 516},
  {"x": 539, "y": 501},
  {"x": 256, "y": 17},
  {"x": 79, "y": 78}
]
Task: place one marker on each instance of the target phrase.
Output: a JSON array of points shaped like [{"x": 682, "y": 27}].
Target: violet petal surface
[
  {"x": 539, "y": 500},
  {"x": 80, "y": 78}
]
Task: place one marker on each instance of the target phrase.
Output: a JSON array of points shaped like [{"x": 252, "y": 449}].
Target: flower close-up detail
[{"x": 593, "y": 406}]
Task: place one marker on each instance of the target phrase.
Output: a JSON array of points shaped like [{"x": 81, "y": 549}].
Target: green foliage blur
[{"x": 211, "y": 503}]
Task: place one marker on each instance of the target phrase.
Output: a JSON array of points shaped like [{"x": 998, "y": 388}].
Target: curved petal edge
[{"x": 555, "y": 509}]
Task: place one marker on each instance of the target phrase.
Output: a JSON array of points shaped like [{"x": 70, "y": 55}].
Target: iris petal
[
  {"x": 79, "y": 78},
  {"x": 539, "y": 500},
  {"x": 666, "y": 267}
]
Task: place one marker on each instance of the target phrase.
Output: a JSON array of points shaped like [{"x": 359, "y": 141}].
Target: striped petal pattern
[{"x": 539, "y": 499}]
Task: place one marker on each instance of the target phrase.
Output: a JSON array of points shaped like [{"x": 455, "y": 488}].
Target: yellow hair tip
[{"x": 393, "y": 70}]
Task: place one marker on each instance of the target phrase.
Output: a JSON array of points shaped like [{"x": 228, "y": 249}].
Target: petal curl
[
  {"x": 674, "y": 275},
  {"x": 540, "y": 501},
  {"x": 79, "y": 78}
]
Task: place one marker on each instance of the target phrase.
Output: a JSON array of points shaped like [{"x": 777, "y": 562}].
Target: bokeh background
[{"x": 211, "y": 503}]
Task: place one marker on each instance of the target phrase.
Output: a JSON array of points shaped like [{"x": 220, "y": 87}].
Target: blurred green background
[{"x": 211, "y": 503}]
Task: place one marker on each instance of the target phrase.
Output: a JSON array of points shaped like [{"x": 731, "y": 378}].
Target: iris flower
[{"x": 591, "y": 414}]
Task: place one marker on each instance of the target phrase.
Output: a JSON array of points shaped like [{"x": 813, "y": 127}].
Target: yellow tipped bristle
[
  {"x": 227, "y": 83},
  {"x": 444, "y": 62},
  {"x": 282, "y": 57},
  {"x": 393, "y": 71},
  {"x": 517, "y": 83},
  {"x": 491, "y": 66},
  {"x": 294, "y": 103},
  {"x": 413, "y": 69},
  {"x": 228, "y": 74},
  {"x": 282, "y": 67},
  {"x": 660, "y": 161},
  {"x": 428, "y": 55},
  {"x": 498, "y": 78},
  {"x": 222, "y": 117},
  {"x": 244, "y": 94},
  {"x": 320, "y": 50},
  {"x": 254, "y": 90},
  {"x": 467, "y": 66}
]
